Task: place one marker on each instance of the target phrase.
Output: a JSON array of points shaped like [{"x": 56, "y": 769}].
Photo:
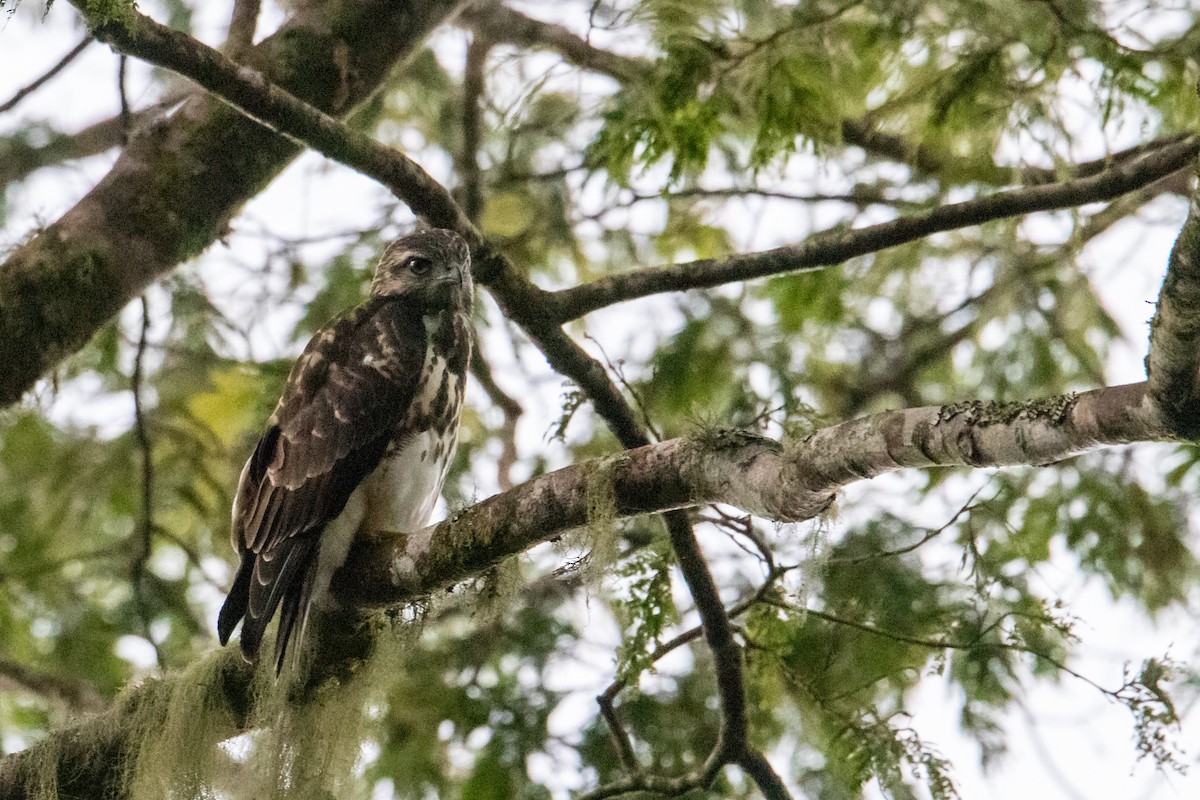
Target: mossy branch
[
  {"x": 789, "y": 481},
  {"x": 1173, "y": 364}
]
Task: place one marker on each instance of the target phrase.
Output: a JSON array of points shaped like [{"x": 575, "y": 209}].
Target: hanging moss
[
  {"x": 177, "y": 735},
  {"x": 497, "y": 591},
  {"x": 815, "y": 561},
  {"x": 43, "y": 766}
]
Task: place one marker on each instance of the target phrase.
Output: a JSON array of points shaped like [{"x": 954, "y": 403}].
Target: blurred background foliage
[{"x": 727, "y": 125}]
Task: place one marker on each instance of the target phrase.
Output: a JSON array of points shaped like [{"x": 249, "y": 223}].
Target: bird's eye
[{"x": 418, "y": 265}]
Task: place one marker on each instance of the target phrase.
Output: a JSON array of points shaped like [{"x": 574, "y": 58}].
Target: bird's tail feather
[{"x": 239, "y": 596}]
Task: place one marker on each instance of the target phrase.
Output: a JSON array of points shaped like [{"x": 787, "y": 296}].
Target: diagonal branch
[
  {"x": 33, "y": 86},
  {"x": 77, "y": 695},
  {"x": 837, "y": 246}
]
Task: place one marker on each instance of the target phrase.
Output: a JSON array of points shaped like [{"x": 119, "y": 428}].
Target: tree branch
[
  {"x": 86, "y": 760},
  {"x": 833, "y": 247},
  {"x": 718, "y": 635},
  {"x": 239, "y": 40},
  {"x": 790, "y": 482},
  {"x": 143, "y": 534},
  {"x": 502, "y": 24},
  {"x": 1173, "y": 364},
  {"x": 471, "y": 189},
  {"x": 25, "y": 91},
  {"x": 764, "y": 775},
  {"x": 19, "y": 159},
  {"x": 76, "y": 695}
]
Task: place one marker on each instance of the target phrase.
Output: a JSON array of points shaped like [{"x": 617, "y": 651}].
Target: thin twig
[
  {"x": 25, "y": 91},
  {"x": 126, "y": 114},
  {"x": 950, "y": 644},
  {"x": 617, "y": 368},
  {"x": 471, "y": 189},
  {"x": 929, "y": 534},
  {"x": 145, "y": 530}
]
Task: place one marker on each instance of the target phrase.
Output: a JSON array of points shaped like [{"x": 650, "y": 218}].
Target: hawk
[{"x": 361, "y": 438}]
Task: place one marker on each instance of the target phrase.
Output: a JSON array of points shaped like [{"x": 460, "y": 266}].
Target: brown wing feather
[{"x": 343, "y": 404}]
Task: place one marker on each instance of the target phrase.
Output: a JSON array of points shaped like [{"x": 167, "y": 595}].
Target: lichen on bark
[{"x": 982, "y": 413}]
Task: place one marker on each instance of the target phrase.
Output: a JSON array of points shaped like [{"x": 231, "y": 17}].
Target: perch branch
[{"x": 791, "y": 482}]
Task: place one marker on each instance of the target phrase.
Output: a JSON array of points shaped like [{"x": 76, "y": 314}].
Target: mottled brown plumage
[{"x": 361, "y": 437}]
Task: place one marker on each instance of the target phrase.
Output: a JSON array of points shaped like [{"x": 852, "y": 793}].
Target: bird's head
[{"x": 431, "y": 266}]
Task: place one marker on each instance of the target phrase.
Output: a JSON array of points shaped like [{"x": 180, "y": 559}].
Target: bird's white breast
[{"x": 401, "y": 493}]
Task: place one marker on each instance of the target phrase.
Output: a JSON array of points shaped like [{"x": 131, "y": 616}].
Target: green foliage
[
  {"x": 712, "y": 84},
  {"x": 877, "y": 749},
  {"x": 646, "y": 609},
  {"x": 1155, "y": 716}
]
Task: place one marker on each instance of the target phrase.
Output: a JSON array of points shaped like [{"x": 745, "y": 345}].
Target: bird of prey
[{"x": 361, "y": 438}]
